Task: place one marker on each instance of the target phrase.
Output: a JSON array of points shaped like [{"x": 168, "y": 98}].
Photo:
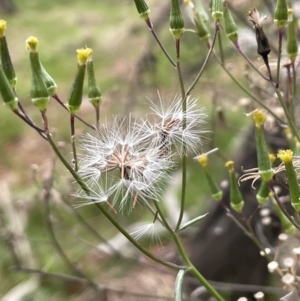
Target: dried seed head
[{"x": 263, "y": 47}]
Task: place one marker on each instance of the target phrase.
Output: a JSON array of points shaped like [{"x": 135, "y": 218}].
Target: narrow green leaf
[
  {"x": 178, "y": 285},
  {"x": 196, "y": 219}
]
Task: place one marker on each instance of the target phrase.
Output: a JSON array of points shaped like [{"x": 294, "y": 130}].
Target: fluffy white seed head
[{"x": 127, "y": 162}]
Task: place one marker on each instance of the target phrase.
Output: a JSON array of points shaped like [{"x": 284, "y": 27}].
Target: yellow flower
[
  {"x": 272, "y": 158},
  {"x": 203, "y": 159},
  {"x": 285, "y": 156},
  {"x": 259, "y": 117},
  {"x": 229, "y": 164},
  {"x": 2, "y": 27},
  {"x": 83, "y": 54},
  {"x": 31, "y": 43}
]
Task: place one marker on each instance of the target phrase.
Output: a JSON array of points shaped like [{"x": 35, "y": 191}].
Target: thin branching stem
[
  {"x": 220, "y": 46},
  {"x": 247, "y": 92},
  {"x": 236, "y": 44},
  {"x": 77, "y": 117},
  {"x": 294, "y": 89},
  {"x": 47, "y": 195},
  {"x": 151, "y": 28},
  {"x": 288, "y": 116},
  {"x": 248, "y": 231},
  {"x": 280, "y": 35},
  {"x": 184, "y": 99},
  {"x": 72, "y": 122},
  {"x": 39, "y": 130},
  {"x": 45, "y": 120},
  {"x": 283, "y": 210},
  {"x": 205, "y": 61},
  {"x": 21, "y": 107},
  {"x": 186, "y": 259},
  {"x": 97, "y": 111},
  {"x": 91, "y": 230}
]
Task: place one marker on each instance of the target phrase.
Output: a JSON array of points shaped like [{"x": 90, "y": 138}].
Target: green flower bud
[
  {"x": 94, "y": 92},
  {"x": 216, "y": 193},
  {"x": 142, "y": 9},
  {"x": 286, "y": 224},
  {"x": 200, "y": 20},
  {"x": 176, "y": 20},
  {"x": 281, "y": 13},
  {"x": 202, "y": 13},
  {"x": 217, "y": 9},
  {"x": 39, "y": 92},
  {"x": 5, "y": 56},
  {"x": 291, "y": 45},
  {"x": 49, "y": 81},
  {"x": 263, "y": 193},
  {"x": 230, "y": 26},
  {"x": 75, "y": 98},
  {"x": 264, "y": 164},
  {"x": 236, "y": 199},
  {"x": 7, "y": 92},
  {"x": 286, "y": 156}
]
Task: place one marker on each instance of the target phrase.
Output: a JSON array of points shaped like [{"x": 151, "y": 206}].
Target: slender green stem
[
  {"x": 25, "y": 119},
  {"x": 72, "y": 120},
  {"x": 236, "y": 44},
  {"x": 205, "y": 61},
  {"x": 186, "y": 259},
  {"x": 294, "y": 90},
  {"x": 253, "y": 237},
  {"x": 248, "y": 231},
  {"x": 151, "y": 28},
  {"x": 45, "y": 120},
  {"x": 84, "y": 187},
  {"x": 220, "y": 46},
  {"x": 162, "y": 217},
  {"x": 77, "y": 117},
  {"x": 288, "y": 216},
  {"x": 288, "y": 116},
  {"x": 280, "y": 34},
  {"x": 47, "y": 195},
  {"x": 248, "y": 93},
  {"x": 184, "y": 99},
  {"x": 97, "y": 111}
]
